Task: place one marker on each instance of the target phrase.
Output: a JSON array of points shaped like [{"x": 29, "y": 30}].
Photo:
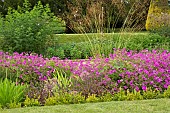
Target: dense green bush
[
  {"x": 70, "y": 51},
  {"x": 25, "y": 30},
  {"x": 158, "y": 15},
  {"x": 167, "y": 93}
]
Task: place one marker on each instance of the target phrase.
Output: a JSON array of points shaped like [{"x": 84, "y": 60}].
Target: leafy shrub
[
  {"x": 163, "y": 31},
  {"x": 57, "y": 52},
  {"x": 14, "y": 105},
  {"x": 10, "y": 93},
  {"x": 167, "y": 93},
  {"x": 158, "y": 15},
  {"x": 51, "y": 101},
  {"x": 158, "y": 18},
  {"x": 92, "y": 98},
  {"x": 29, "y": 102},
  {"x": 69, "y": 51},
  {"x": 41, "y": 90},
  {"x": 134, "y": 95},
  {"x": 26, "y": 30},
  {"x": 120, "y": 95},
  {"x": 152, "y": 41},
  {"x": 65, "y": 98},
  {"x": 151, "y": 94},
  {"x": 106, "y": 97},
  {"x": 83, "y": 50}
]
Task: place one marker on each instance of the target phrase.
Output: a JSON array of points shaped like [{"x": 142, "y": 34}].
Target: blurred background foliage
[{"x": 92, "y": 13}]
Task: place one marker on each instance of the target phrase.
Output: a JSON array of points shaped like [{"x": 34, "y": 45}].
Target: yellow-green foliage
[
  {"x": 31, "y": 102},
  {"x": 134, "y": 95},
  {"x": 158, "y": 14},
  {"x": 65, "y": 98},
  {"x": 14, "y": 105},
  {"x": 152, "y": 94},
  {"x": 92, "y": 98},
  {"x": 167, "y": 93}
]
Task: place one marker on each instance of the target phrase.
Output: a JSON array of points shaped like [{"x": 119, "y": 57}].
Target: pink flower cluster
[
  {"x": 126, "y": 69},
  {"x": 24, "y": 67}
]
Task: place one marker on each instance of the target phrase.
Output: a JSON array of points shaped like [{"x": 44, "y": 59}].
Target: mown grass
[
  {"x": 66, "y": 38},
  {"x": 142, "y": 106}
]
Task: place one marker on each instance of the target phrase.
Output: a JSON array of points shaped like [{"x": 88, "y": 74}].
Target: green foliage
[
  {"x": 63, "y": 80},
  {"x": 92, "y": 98},
  {"x": 151, "y": 94},
  {"x": 29, "y": 102},
  {"x": 167, "y": 93},
  {"x": 163, "y": 31},
  {"x": 70, "y": 51},
  {"x": 51, "y": 101},
  {"x": 106, "y": 97},
  {"x": 152, "y": 41},
  {"x": 65, "y": 98},
  {"x": 14, "y": 105},
  {"x": 158, "y": 15},
  {"x": 134, "y": 95},
  {"x": 41, "y": 90},
  {"x": 130, "y": 41},
  {"x": 26, "y": 30},
  {"x": 158, "y": 18},
  {"x": 120, "y": 96},
  {"x": 10, "y": 92}
]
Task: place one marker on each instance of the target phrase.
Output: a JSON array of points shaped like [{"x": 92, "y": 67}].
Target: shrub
[
  {"x": 92, "y": 98},
  {"x": 136, "y": 41},
  {"x": 40, "y": 91},
  {"x": 158, "y": 18},
  {"x": 26, "y": 30},
  {"x": 151, "y": 94},
  {"x": 158, "y": 15},
  {"x": 69, "y": 51},
  {"x": 29, "y": 102},
  {"x": 167, "y": 93},
  {"x": 65, "y": 98},
  {"x": 120, "y": 95},
  {"x": 134, "y": 95},
  {"x": 14, "y": 105},
  {"x": 106, "y": 97}
]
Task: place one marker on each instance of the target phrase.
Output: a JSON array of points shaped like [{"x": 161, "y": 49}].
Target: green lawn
[
  {"x": 65, "y": 38},
  {"x": 144, "y": 106}
]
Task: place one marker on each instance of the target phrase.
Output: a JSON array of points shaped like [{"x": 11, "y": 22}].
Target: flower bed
[{"x": 130, "y": 70}]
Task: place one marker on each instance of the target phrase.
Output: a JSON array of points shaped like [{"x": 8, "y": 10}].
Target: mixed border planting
[
  {"x": 35, "y": 70},
  {"x": 125, "y": 75}
]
